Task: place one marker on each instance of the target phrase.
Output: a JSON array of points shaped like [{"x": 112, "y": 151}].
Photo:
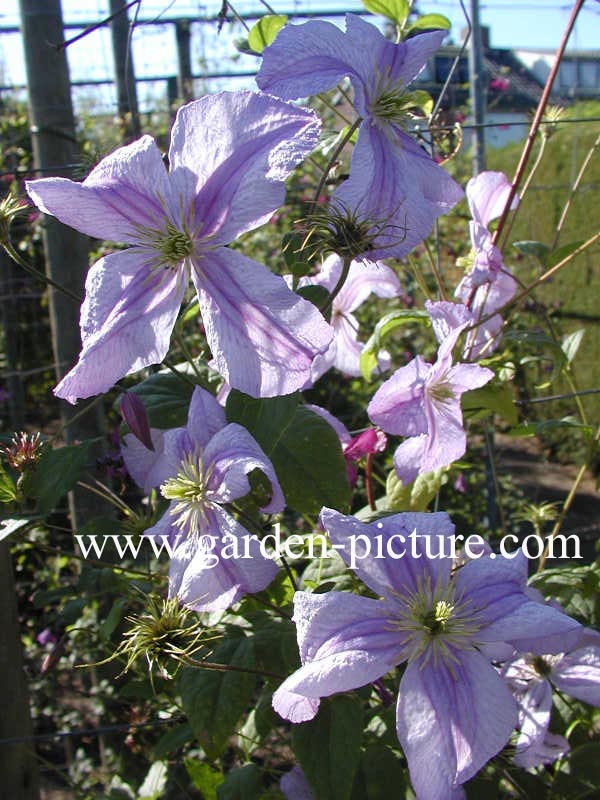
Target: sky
[{"x": 515, "y": 24}]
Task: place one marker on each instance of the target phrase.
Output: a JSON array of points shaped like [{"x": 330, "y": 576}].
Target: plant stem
[
  {"x": 537, "y": 120},
  {"x": 333, "y": 158},
  {"x": 573, "y": 191},
  {"x": 526, "y": 186},
  {"x": 569, "y": 499},
  {"x": 338, "y": 287},
  {"x": 35, "y": 273}
]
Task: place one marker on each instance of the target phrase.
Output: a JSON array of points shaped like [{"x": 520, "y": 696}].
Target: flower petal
[
  {"x": 229, "y": 457},
  {"x": 578, "y": 674},
  {"x": 487, "y": 194},
  {"x": 126, "y": 321},
  {"x": 451, "y": 723},
  {"x": 263, "y": 337},
  {"x": 205, "y": 417},
  {"x": 122, "y": 192},
  {"x": 201, "y": 575},
  {"x": 234, "y": 150},
  {"x": 394, "y": 183},
  {"x": 534, "y": 746},
  {"x": 295, "y": 786},
  {"x": 149, "y": 468},
  {"x": 345, "y": 641},
  {"x": 398, "y": 405},
  {"x": 305, "y": 60},
  {"x": 387, "y": 575},
  {"x": 366, "y": 277}
]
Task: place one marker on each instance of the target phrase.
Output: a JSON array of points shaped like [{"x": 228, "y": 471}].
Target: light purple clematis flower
[
  {"x": 202, "y": 468},
  {"x": 422, "y": 402},
  {"x": 531, "y": 678},
  {"x": 363, "y": 278},
  {"x": 489, "y": 285},
  {"x": 229, "y": 156},
  {"x": 392, "y": 182},
  {"x": 454, "y": 711}
]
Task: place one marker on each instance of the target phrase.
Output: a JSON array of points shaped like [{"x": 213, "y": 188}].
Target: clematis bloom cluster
[{"x": 229, "y": 156}]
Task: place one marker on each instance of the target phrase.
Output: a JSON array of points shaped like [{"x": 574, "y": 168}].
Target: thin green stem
[
  {"x": 569, "y": 499},
  {"x": 331, "y": 107},
  {"x": 333, "y": 158},
  {"x": 573, "y": 191},
  {"x": 436, "y": 272},
  {"x": 189, "y": 357},
  {"x": 526, "y": 186},
  {"x": 347, "y": 261},
  {"x": 35, "y": 273}
]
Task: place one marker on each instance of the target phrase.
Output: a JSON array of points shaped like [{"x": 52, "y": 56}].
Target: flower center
[
  {"x": 391, "y": 103},
  {"x": 175, "y": 245},
  {"x": 441, "y": 391},
  {"x": 188, "y": 489},
  {"x": 436, "y": 622}
]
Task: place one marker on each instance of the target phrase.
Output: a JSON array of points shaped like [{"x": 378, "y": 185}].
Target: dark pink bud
[
  {"x": 369, "y": 441},
  {"x": 135, "y": 415}
]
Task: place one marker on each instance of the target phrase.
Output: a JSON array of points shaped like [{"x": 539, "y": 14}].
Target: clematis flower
[
  {"x": 454, "y": 711},
  {"x": 531, "y": 678},
  {"x": 201, "y": 469},
  {"x": 393, "y": 183},
  {"x": 354, "y": 448},
  {"x": 489, "y": 285},
  {"x": 229, "y": 156},
  {"x": 363, "y": 278},
  {"x": 422, "y": 402},
  {"x": 295, "y": 786}
]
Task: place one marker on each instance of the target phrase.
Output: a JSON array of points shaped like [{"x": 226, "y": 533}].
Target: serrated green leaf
[
  {"x": 303, "y": 447},
  {"x": 396, "y": 10},
  {"x": 243, "y": 783},
  {"x": 167, "y": 399},
  {"x": 204, "y": 777},
  {"x": 57, "y": 472},
  {"x": 263, "y": 32},
  {"x": 213, "y": 700},
  {"x": 385, "y": 326},
  {"x": 570, "y": 344},
  {"x": 328, "y": 747},
  {"x": 496, "y": 398},
  {"x": 429, "y": 22}
]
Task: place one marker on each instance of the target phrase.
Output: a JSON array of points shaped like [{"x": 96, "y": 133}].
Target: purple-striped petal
[
  {"x": 487, "y": 194},
  {"x": 233, "y": 151},
  {"x": 126, "y": 321},
  {"x": 229, "y": 457},
  {"x": 578, "y": 674},
  {"x": 205, "y": 417},
  {"x": 398, "y": 405},
  {"x": 263, "y": 337},
  {"x": 451, "y": 722},
  {"x": 127, "y": 189},
  {"x": 387, "y": 574},
  {"x": 204, "y": 579}
]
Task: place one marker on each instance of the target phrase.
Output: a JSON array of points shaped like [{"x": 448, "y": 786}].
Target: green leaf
[
  {"x": 423, "y": 100},
  {"x": 167, "y": 399},
  {"x": 172, "y": 740},
  {"x": 328, "y": 747},
  {"x": 114, "y": 617},
  {"x": 57, "y": 472},
  {"x": 263, "y": 32},
  {"x": 385, "y": 326},
  {"x": 213, "y": 700},
  {"x": 303, "y": 447},
  {"x": 204, "y": 777},
  {"x": 243, "y": 783},
  {"x": 8, "y": 491},
  {"x": 532, "y": 248},
  {"x": 317, "y": 295},
  {"x": 396, "y": 10},
  {"x": 496, "y": 398},
  {"x": 380, "y": 768},
  {"x": 570, "y": 344},
  {"x": 556, "y": 256},
  {"x": 429, "y": 22}
]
